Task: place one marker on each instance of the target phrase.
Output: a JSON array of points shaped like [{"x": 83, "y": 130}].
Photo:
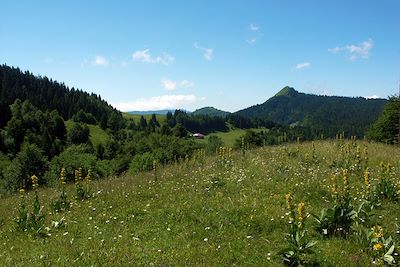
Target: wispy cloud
[
  {"x": 100, "y": 61},
  {"x": 303, "y": 65},
  {"x": 173, "y": 85},
  {"x": 251, "y": 41},
  {"x": 159, "y": 102},
  {"x": 253, "y": 27},
  {"x": 354, "y": 52},
  {"x": 254, "y": 32},
  {"x": 208, "y": 53},
  {"x": 146, "y": 57}
]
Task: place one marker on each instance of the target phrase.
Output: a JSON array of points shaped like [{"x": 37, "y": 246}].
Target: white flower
[{"x": 205, "y": 239}]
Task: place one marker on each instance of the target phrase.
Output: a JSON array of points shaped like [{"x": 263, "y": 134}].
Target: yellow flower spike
[
  {"x": 300, "y": 213},
  {"x": 365, "y": 153},
  {"x": 366, "y": 179},
  {"x": 80, "y": 174},
  {"x": 378, "y": 231},
  {"x": 346, "y": 182},
  {"x": 35, "y": 184},
  {"x": 62, "y": 176},
  {"x": 76, "y": 176},
  {"x": 289, "y": 201}
]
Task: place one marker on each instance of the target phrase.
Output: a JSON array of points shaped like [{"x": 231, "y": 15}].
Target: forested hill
[
  {"x": 47, "y": 94},
  {"x": 328, "y": 114},
  {"x": 211, "y": 111}
]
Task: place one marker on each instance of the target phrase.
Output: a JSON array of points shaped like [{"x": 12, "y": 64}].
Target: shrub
[
  {"x": 29, "y": 161},
  {"x": 73, "y": 158},
  {"x": 141, "y": 162}
]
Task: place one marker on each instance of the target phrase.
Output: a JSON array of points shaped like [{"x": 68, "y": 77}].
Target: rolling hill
[
  {"x": 329, "y": 113},
  {"x": 211, "y": 111}
]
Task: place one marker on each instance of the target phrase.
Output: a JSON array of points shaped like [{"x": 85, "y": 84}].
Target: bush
[
  {"x": 29, "y": 161},
  {"x": 141, "y": 162},
  {"x": 73, "y": 158}
]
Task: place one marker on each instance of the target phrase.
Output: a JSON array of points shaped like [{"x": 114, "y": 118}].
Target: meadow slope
[{"x": 208, "y": 211}]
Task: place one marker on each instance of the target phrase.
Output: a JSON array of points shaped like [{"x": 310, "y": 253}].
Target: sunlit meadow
[{"x": 225, "y": 210}]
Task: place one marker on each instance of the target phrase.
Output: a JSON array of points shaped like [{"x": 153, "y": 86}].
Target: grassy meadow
[
  {"x": 136, "y": 117},
  {"x": 97, "y": 135},
  {"x": 224, "y": 210}
]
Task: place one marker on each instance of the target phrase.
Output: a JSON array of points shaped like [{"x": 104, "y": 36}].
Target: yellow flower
[
  {"x": 377, "y": 246},
  {"x": 346, "y": 181},
  {"x": 35, "y": 184},
  {"x": 366, "y": 179},
  {"x": 378, "y": 231},
  {"x": 300, "y": 213},
  {"x": 289, "y": 201},
  {"x": 62, "y": 176},
  {"x": 22, "y": 190}
]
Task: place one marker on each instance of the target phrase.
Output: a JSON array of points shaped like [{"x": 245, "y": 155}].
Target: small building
[{"x": 198, "y": 136}]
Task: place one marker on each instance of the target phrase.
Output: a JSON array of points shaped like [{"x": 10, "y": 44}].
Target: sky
[{"x": 151, "y": 55}]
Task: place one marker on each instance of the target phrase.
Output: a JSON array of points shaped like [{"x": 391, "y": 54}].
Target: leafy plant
[
  {"x": 386, "y": 189},
  {"x": 383, "y": 249},
  {"x": 62, "y": 203},
  {"x": 32, "y": 222},
  {"x": 298, "y": 244},
  {"x": 338, "y": 219}
]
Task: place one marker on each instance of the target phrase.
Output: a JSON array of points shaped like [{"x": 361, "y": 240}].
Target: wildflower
[
  {"x": 300, "y": 213},
  {"x": 346, "y": 182},
  {"x": 377, "y": 246},
  {"x": 62, "y": 176},
  {"x": 366, "y": 154},
  {"x": 366, "y": 179},
  {"x": 378, "y": 231},
  {"x": 289, "y": 201},
  {"x": 35, "y": 184}
]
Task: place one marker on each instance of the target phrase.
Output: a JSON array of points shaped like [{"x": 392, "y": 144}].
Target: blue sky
[{"x": 147, "y": 55}]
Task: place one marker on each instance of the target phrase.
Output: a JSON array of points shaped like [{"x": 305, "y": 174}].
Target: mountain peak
[{"x": 287, "y": 91}]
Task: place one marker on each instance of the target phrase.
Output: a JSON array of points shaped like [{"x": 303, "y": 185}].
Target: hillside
[
  {"x": 46, "y": 94},
  {"x": 97, "y": 135},
  {"x": 211, "y": 111},
  {"x": 219, "y": 211},
  {"x": 329, "y": 114}
]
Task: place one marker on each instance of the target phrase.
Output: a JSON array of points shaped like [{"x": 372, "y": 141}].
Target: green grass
[
  {"x": 136, "y": 117},
  {"x": 206, "y": 212},
  {"x": 230, "y": 137},
  {"x": 97, "y": 135}
]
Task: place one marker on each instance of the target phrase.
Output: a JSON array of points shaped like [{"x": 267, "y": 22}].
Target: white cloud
[
  {"x": 372, "y": 97},
  {"x": 354, "y": 52},
  {"x": 100, "y": 61},
  {"x": 173, "y": 85},
  {"x": 208, "y": 53},
  {"x": 146, "y": 57},
  {"x": 253, "y": 27},
  {"x": 251, "y": 41},
  {"x": 159, "y": 102},
  {"x": 303, "y": 65}
]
